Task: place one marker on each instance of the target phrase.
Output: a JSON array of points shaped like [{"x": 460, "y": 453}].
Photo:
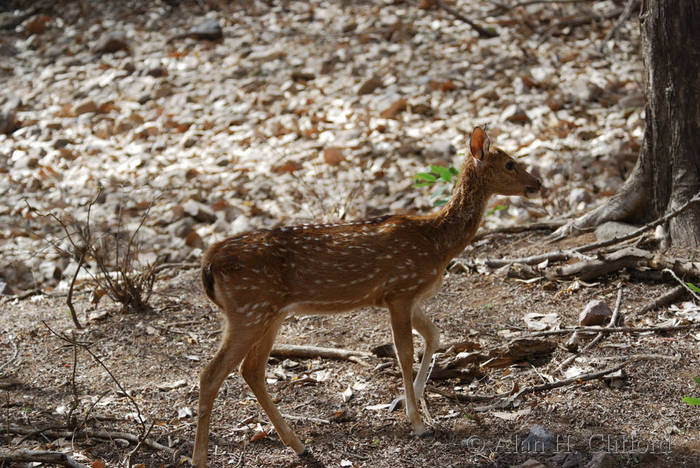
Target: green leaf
[
  {"x": 422, "y": 184},
  {"x": 693, "y": 287},
  {"x": 453, "y": 170},
  {"x": 440, "y": 202},
  {"x": 442, "y": 171},
  {"x": 692, "y": 401},
  {"x": 494, "y": 209},
  {"x": 697, "y": 380},
  {"x": 438, "y": 192},
  {"x": 426, "y": 176}
]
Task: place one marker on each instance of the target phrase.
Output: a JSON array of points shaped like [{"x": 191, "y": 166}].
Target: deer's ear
[{"x": 479, "y": 143}]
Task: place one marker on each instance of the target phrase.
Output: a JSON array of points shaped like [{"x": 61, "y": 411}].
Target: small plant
[
  {"x": 441, "y": 178},
  {"x": 109, "y": 256},
  {"x": 693, "y": 401},
  {"x": 693, "y": 287}
]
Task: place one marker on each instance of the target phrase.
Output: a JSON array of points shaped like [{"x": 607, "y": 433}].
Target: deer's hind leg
[
  {"x": 234, "y": 347},
  {"x": 253, "y": 371},
  {"x": 431, "y": 334}
]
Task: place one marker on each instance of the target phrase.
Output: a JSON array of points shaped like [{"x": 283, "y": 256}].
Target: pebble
[{"x": 596, "y": 312}]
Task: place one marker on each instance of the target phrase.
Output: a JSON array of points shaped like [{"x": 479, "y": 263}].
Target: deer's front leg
[{"x": 403, "y": 341}]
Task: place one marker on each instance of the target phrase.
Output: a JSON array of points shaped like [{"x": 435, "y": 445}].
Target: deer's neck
[{"x": 457, "y": 222}]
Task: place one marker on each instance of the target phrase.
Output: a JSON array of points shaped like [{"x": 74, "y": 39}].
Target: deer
[{"x": 395, "y": 262}]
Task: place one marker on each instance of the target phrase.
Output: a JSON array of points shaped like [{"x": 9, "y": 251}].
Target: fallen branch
[
  {"x": 563, "y": 255},
  {"x": 629, "y": 7},
  {"x": 106, "y": 435},
  {"x": 665, "y": 299},
  {"x": 564, "y": 331},
  {"x": 15, "y": 353},
  {"x": 38, "y": 456},
  {"x": 580, "y": 20},
  {"x": 652, "y": 225},
  {"x": 517, "y": 228},
  {"x": 483, "y": 32},
  {"x": 586, "y": 270},
  {"x": 556, "y": 384},
  {"x": 305, "y": 418},
  {"x": 308, "y": 352},
  {"x": 571, "y": 380},
  {"x": 12, "y": 23},
  {"x": 682, "y": 283}
]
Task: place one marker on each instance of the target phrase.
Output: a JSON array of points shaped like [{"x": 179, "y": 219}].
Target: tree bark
[
  {"x": 671, "y": 49},
  {"x": 667, "y": 173}
]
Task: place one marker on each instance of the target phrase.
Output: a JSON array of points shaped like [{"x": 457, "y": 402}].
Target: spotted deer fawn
[{"x": 396, "y": 261}]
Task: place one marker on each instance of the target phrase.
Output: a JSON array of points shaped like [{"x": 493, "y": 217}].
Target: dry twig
[
  {"x": 298, "y": 351},
  {"x": 102, "y": 364},
  {"x": 665, "y": 299},
  {"x": 606, "y": 330},
  {"x": 38, "y": 456},
  {"x": 15, "y": 353},
  {"x": 106, "y": 435}
]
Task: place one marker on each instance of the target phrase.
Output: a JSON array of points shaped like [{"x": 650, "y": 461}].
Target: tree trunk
[
  {"x": 667, "y": 173},
  {"x": 671, "y": 48}
]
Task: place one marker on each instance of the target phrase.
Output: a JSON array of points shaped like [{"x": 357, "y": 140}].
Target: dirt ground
[{"x": 146, "y": 353}]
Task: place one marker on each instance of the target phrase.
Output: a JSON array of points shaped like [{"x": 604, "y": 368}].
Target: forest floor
[{"x": 319, "y": 111}]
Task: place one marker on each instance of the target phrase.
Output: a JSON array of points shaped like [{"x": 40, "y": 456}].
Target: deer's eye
[{"x": 510, "y": 165}]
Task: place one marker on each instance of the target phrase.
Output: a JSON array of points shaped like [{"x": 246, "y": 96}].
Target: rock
[
  {"x": 440, "y": 149},
  {"x": 5, "y": 289},
  {"x": 613, "y": 229},
  {"x": 209, "y": 30},
  {"x": 303, "y": 76},
  {"x": 181, "y": 228},
  {"x": 112, "y": 42},
  {"x": 157, "y": 71},
  {"x": 37, "y": 25},
  {"x": 573, "y": 343},
  {"x": 538, "y": 440},
  {"x": 515, "y": 114},
  {"x": 121, "y": 125},
  {"x": 369, "y": 86},
  {"x": 577, "y": 196},
  {"x": 192, "y": 239},
  {"x": 59, "y": 143},
  {"x": 333, "y": 155},
  {"x": 566, "y": 459},
  {"x": 632, "y": 101},
  {"x": 530, "y": 463},
  {"x": 50, "y": 270},
  {"x": 422, "y": 108},
  {"x": 199, "y": 212},
  {"x": 602, "y": 460},
  {"x": 85, "y": 106},
  {"x": 22, "y": 160},
  {"x": 188, "y": 141},
  {"x": 556, "y": 102},
  {"x": 240, "y": 224},
  {"x": 394, "y": 109},
  {"x": 8, "y": 122},
  {"x": 7, "y": 50},
  {"x": 596, "y": 312}
]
